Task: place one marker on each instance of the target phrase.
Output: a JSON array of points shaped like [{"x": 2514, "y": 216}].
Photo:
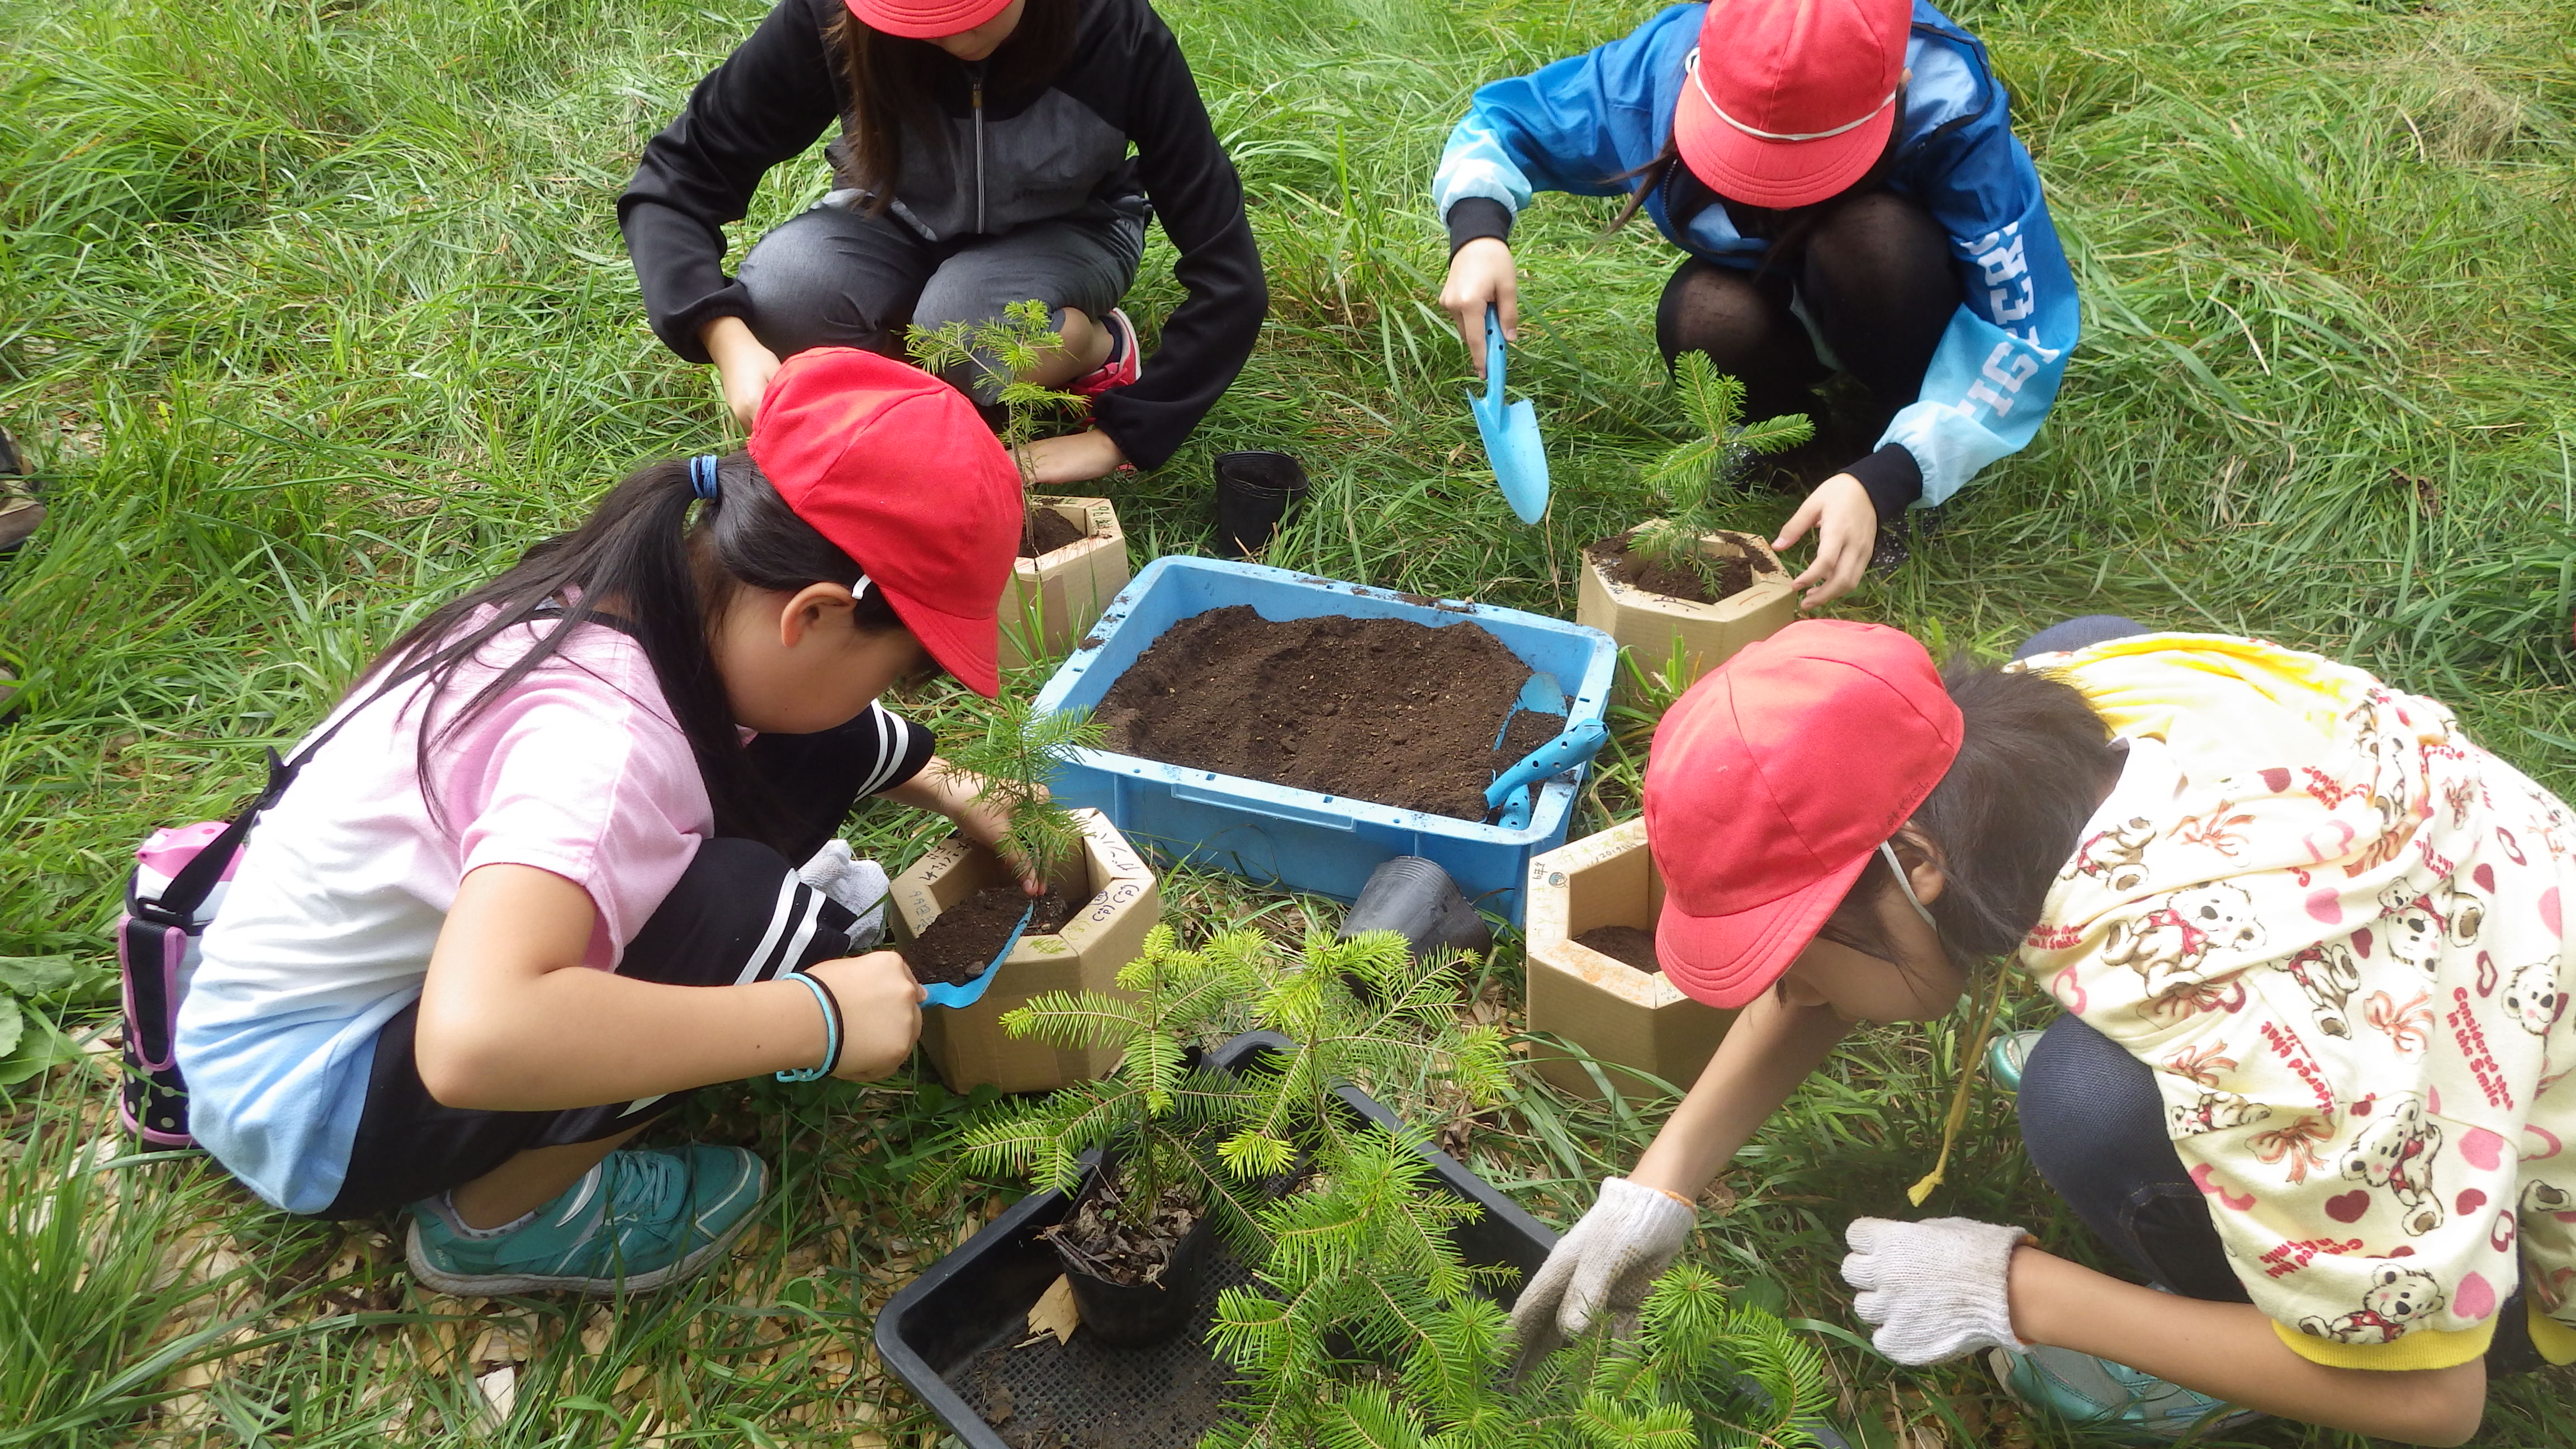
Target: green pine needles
[
  {"x": 1019, "y": 753},
  {"x": 1366, "y": 1326},
  {"x": 1004, "y": 349},
  {"x": 1722, "y": 445}
]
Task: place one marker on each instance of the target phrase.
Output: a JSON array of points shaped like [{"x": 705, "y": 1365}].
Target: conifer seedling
[
  {"x": 1003, "y": 349},
  {"x": 1721, "y": 446},
  {"x": 1020, "y": 751}
]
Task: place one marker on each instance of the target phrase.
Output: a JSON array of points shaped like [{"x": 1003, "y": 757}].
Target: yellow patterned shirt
[{"x": 2336, "y": 929}]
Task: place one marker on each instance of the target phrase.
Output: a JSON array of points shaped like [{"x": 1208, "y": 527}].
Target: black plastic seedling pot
[{"x": 979, "y": 1296}]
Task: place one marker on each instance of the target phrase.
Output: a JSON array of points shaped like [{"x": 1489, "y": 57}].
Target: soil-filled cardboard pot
[
  {"x": 1121, "y": 903},
  {"x": 1054, "y": 598},
  {"x": 1620, "y": 1015},
  {"x": 1648, "y": 624}
]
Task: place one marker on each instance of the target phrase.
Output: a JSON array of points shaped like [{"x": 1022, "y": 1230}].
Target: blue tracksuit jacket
[{"x": 1576, "y": 124}]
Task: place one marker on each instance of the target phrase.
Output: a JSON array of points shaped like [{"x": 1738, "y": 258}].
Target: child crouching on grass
[{"x": 540, "y": 883}]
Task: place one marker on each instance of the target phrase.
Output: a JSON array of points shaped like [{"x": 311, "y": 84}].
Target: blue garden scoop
[
  {"x": 1510, "y": 432},
  {"x": 1515, "y": 791}
]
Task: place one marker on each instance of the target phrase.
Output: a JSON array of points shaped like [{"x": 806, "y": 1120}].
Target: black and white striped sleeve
[{"x": 899, "y": 749}]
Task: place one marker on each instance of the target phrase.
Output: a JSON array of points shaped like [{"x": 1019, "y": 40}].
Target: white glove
[
  {"x": 1933, "y": 1290},
  {"x": 1604, "y": 1264},
  {"x": 856, "y": 886}
]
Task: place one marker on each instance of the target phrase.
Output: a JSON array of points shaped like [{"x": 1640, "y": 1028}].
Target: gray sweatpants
[{"x": 835, "y": 278}]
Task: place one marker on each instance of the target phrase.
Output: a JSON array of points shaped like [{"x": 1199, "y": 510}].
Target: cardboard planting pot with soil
[
  {"x": 1618, "y": 595},
  {"x": 1113, "y": 900},
  {"x": 1057, "y": 592},
  {"x": 1593, "y": 906},
  {"x": 1300, "y": 732},
  {"x": 958, "y": 1335}
]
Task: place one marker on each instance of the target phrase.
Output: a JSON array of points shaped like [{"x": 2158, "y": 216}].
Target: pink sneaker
[{"x": 1122, "y": 367}]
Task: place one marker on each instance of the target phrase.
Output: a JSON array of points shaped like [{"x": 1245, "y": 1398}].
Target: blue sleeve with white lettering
[{"x": 1995, "y": 373}]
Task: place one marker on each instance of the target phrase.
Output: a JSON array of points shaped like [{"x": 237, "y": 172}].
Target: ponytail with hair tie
[{"x": 702, "y": 477}]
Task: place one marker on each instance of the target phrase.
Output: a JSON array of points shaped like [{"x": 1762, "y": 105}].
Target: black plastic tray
[{"x": 981, "y": 1294}]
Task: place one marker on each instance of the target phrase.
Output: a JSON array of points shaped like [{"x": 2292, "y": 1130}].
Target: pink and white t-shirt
[{"x": 327, "y": 930}]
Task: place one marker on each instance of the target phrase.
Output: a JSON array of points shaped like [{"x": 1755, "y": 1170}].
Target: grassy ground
[{"x": 315, "y": 310}]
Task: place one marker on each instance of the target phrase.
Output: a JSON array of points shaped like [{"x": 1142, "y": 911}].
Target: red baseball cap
[
  {"x": 895, "y": 467},
  {"x": 925, "y": 19},
  {"x": 1786, "y": 102},
  {"x": 1773, "y": 781}
]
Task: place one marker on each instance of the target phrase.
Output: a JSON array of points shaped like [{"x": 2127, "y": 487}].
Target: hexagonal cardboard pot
[
  {"x": 1623, "y": 1016},
  {"x": 967, "y": 1043},
  {"x": 1053, "y": 598},
  {"x": 1647, "y": 624}
]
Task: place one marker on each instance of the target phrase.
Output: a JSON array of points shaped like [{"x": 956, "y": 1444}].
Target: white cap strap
[{"x": 1690, "y": 63}]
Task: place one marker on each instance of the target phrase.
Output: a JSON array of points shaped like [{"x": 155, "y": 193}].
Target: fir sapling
[
  {"x": 1721, "y": 446},
  {"x": 1002, "y": 350},
  {"x": 1017, "y": 756}
]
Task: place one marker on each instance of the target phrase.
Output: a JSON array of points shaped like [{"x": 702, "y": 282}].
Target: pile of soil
[
  {"x": 1623, "y": 943},
  {"x": 960, "y": 944},
  {"x": 1383, "y": 710},
  {"x": 1119, "y": 1245},
  {"x": 1088, "y": 1395},
  {"x": 1046, "y": 531},
  {"x": 1643, "y": 571}
]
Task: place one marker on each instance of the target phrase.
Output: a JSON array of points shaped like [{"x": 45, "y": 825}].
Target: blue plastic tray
[{"x": 1298, "y": 839}]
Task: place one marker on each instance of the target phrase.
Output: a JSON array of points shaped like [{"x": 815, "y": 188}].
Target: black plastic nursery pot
[
  {"x": 1255, "y": 493},
  {"x": 976, "y": 1301},
  {"x": 1139, "y": 1315}
]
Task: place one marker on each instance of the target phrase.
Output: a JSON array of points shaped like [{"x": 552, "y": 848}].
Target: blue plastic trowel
[
  {"x": 1514, "y": 793},
  {"x": 1510, "y": 432}
]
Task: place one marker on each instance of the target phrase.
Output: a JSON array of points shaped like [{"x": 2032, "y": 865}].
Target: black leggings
[{"x": 1874, "y": 276}]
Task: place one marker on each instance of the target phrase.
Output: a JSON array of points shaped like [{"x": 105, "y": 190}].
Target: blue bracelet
[{"x": 831, "y": 1026}]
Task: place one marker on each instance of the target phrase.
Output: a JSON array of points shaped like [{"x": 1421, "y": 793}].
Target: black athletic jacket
[{"x": 1026, "y": 158}]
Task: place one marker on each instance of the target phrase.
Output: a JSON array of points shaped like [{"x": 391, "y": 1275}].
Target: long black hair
[
  {"x": 641, "y": 564},
  {"x": 895, "y": 82},
  {"x": 2034, "y": 758}
]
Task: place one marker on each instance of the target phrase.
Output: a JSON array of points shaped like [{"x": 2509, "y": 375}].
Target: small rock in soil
[
  {"x": 960, "y": 944},
  {"x": 1047, "y": 531},
  {"x": 1382, "y": 710},
  {"x": 1623, "y": 943},
  {"x": 1643, "y": 571}
]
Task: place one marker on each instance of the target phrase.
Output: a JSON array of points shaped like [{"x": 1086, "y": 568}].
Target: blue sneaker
[
  {"x": 636, "y": 1221},
  {"x": 2004, "y": 1058},
  {"x": 2129, "y": 1406}
]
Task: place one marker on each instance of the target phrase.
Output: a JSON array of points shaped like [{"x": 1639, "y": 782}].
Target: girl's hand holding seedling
[
  {"x": 981, "y": 813},
  {"x": 880, "y": 1012},
  {"x": 1846, "y": 527},
  {"x": 743, "y": 365}
]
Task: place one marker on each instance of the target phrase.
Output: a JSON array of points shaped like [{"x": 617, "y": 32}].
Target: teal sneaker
[
  {"x": 636, "y": 1221},
  {"x": 2004, "y": 1058},
  {"x": 2126, "y": 1405}
]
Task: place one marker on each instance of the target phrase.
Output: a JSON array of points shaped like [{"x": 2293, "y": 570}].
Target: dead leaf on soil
[
  {"x": 1054, "y": 1313},
  {"x": 596, "y": 1331},
  {"x": 2428, "y": 494},
  {"x": 500, "y": 1390}
]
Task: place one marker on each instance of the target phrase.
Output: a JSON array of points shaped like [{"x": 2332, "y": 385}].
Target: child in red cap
[
  {"x": 981, "y": 159},
  {"x": 2311, "y": 1079},
  {"x": 1843, "y": 177},
  {"x": 535, "y": 880}
]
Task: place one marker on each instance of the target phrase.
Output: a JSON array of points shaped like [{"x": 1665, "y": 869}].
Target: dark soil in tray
[
  {"x": 960, "y": 944},
  {"x": 1382, "y": 710},
  {"x": 1623, "y": 943},
  {"x": 1087, "y": 1395},
  {"x": 1638, "y": 570},
  {"x": 1047, "y": 531}
]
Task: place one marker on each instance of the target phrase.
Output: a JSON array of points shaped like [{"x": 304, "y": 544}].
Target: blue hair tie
[{"x": 702, "y": 476}]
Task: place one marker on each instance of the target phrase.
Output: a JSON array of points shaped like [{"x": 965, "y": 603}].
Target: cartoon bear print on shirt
[
  {"x": 2117, "y": 856},
  {"x": 2166, "y": 946},
  {"x": 2396, "y": 1152},
  {"x": 2396, "y": 1297},
  {"x": 2329, "y": 976},
  {"x": 2533, "y": 999},
  {"x": 2214, "y": 1112},
  {"x": 2412, "y": 929}
]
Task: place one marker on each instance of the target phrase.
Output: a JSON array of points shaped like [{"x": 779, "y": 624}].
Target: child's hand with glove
[
  {"x": 1605, "y": 1263},
  {"x": 1933, "y": 1290}
]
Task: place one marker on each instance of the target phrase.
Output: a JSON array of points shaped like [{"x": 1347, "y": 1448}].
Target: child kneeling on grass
[
  {"x": 2313, "y": 1075},
  {"x": 535, "y": 885}
]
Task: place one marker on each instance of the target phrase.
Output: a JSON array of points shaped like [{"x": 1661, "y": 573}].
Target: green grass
[{"x": 316, "y": 310}]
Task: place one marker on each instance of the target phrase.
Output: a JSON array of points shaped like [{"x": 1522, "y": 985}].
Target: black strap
[{"x": 179, "y": 900}]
